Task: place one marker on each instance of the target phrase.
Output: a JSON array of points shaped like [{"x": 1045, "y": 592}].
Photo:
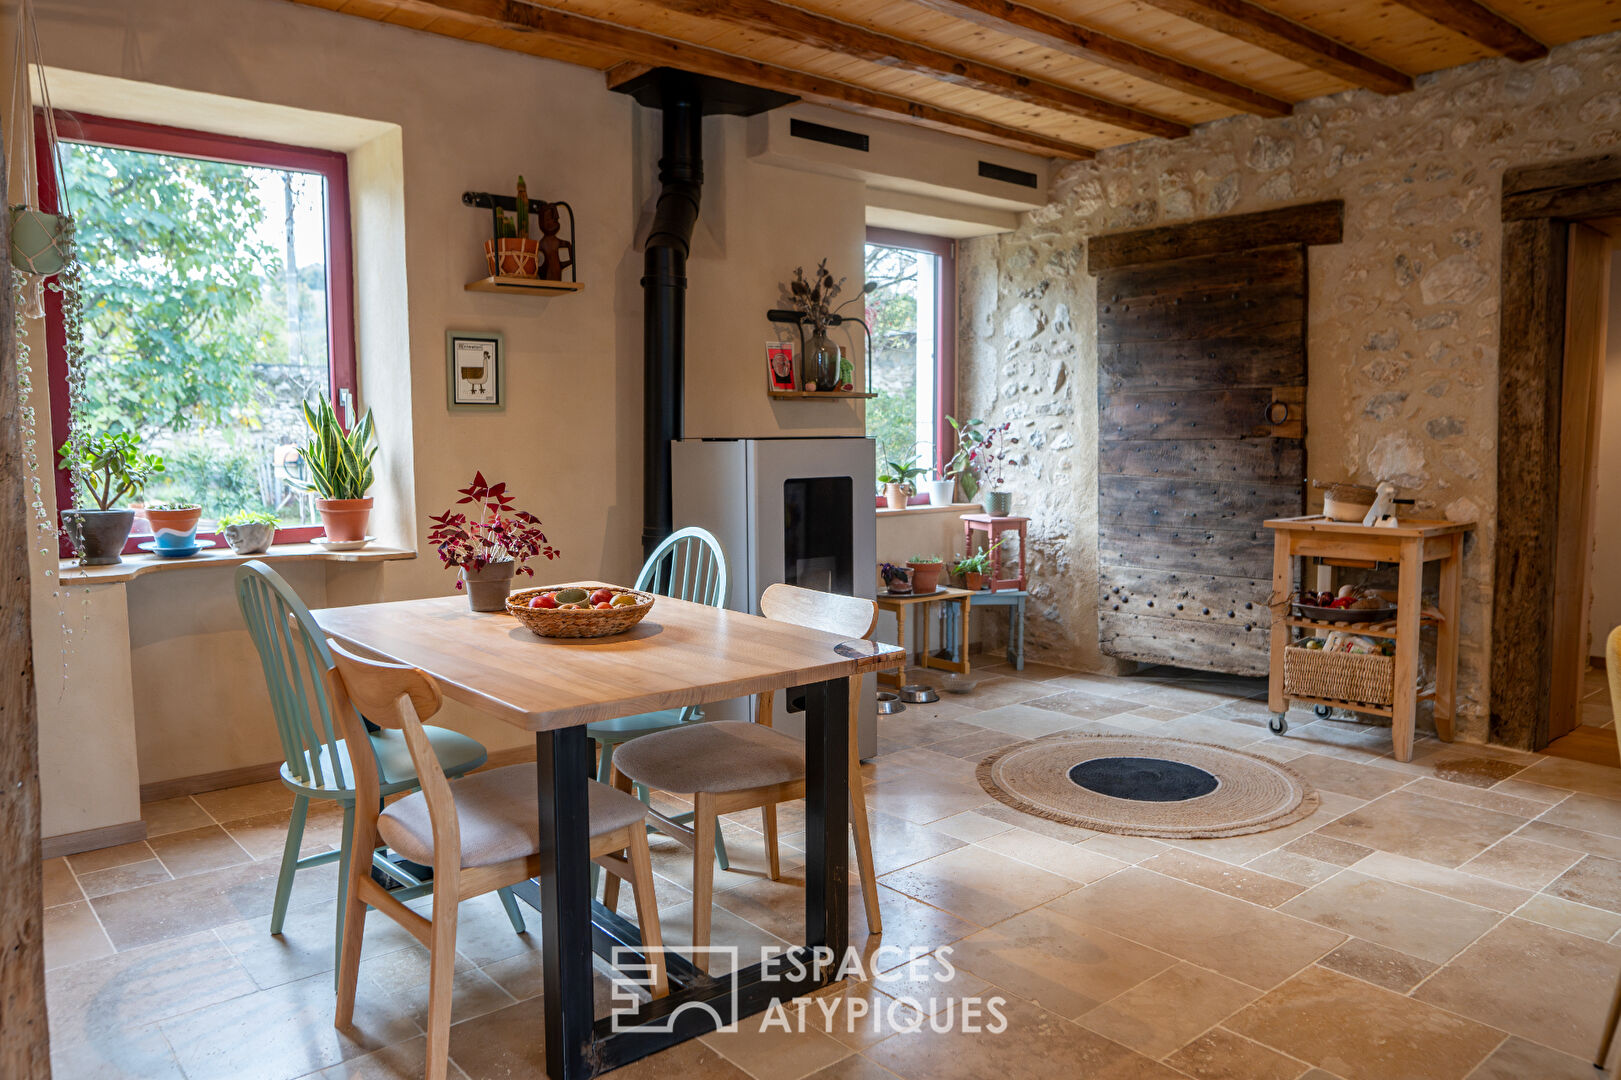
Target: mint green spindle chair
[
  {"x": 317, "y": 764},
  {"x": 688, "y": 565}
]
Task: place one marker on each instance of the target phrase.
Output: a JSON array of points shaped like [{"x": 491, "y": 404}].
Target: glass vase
[{"x": 821, "y": 362}]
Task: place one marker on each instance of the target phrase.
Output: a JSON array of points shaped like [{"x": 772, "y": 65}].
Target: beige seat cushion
[
  {"x": 716, "y": 756},
  {"x": 499, "y": 815}
]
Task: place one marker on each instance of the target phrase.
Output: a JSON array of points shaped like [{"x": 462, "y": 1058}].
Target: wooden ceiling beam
[
  {"x": 818, "y": 31},
  {"x": 1480, "y": 23},
  {"x": 1270, "y": 31},
  {"x": 1071, "y": 39},
  {"x": 654, "y": 51}
]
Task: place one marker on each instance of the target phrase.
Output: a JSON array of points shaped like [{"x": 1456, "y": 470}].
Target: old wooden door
[{"x": 1201, "y": 394}]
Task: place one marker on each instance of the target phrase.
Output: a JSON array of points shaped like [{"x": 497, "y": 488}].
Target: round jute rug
[{"x": 1142, "y": 785}]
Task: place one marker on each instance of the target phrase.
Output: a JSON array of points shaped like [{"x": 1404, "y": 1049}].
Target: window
[
  {"x": 912, "y": 315},
  {"x": 216, "y": 299}
]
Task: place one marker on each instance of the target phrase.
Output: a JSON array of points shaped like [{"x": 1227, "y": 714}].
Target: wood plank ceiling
[{"x": 1060, "y": 78}]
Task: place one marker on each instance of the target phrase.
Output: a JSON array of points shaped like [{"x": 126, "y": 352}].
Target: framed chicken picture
[
  {"x": 476, "y": 375},
  {"x": 779, "y": 360}
]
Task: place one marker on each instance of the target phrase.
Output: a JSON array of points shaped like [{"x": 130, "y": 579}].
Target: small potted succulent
[
  {"x": 899, "y": 480},
  {"x": 251, "y": 532},
  {"x": 340, "y": 470},
  {"x": 174, "y": 525},
  {"x": 488, "y": 544},
  {"x": 972, "y": 569},
  {"x": 926, "y": 570},
  {"x": 110, "y": 467}
]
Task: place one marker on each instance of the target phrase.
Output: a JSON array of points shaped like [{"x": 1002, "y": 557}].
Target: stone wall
[{"x": 1403, "y": 322}]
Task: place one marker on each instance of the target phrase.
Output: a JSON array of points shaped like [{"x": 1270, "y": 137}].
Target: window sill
[
  {"x": 926, "y": 508},
  {"x": 71, "y": 573}
]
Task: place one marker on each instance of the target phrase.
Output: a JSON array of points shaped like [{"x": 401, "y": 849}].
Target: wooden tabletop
[
  {"x": 944, "y": 592},
  {"x": 1405, "y": 527},
  {"x": 680, "y": 654}
]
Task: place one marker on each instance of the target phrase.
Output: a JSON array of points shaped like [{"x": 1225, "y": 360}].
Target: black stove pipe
[{"x": 664, "y": 290}]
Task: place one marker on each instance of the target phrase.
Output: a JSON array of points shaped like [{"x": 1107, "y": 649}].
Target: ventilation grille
[
  {"x": 992, "y": 171},
  {"x": 850, "y": 140}
]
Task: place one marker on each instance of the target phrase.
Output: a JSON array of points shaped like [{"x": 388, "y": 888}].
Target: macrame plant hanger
[{"x": 41, "y": 243}]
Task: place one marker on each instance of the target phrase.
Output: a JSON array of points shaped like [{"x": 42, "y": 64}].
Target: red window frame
[
  {"x": 333, "y": 165},
  {"x": 945, "y": 337}
]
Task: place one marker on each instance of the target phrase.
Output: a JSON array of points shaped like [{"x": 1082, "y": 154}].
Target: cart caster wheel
[
  {"x": 1278, "y": 724},
  {"x": 1323, "y": 711}
]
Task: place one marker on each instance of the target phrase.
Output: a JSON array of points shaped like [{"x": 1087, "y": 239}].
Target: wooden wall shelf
[
  {"x": 845, "y": 395},
  {"x": 529, "y": 285}
]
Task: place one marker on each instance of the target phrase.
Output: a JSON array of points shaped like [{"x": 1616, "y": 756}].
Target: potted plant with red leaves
[
  {"x": 489, "y": 543},
  {"x": 989, "y": 461}
]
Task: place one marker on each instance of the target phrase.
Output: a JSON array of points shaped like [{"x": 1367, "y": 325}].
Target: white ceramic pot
[
  {"x": 252, "y": 538},
  {"x": 940, "y": 491}
]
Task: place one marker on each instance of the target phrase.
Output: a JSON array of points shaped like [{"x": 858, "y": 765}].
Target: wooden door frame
[
  {"x": 24, "y": 1037},
  {"x": 1539, "y": 204}
]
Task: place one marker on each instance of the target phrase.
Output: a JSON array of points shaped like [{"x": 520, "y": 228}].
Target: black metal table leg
[
  {"x": 562, "y": 760},
  {"x": 827, "y": 815}
]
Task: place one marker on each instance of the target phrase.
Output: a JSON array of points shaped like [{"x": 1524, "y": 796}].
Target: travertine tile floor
[{"x": 1455, "y": 916}]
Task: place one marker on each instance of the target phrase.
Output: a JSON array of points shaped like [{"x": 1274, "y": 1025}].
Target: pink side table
[{"x": 993, "y": 528}]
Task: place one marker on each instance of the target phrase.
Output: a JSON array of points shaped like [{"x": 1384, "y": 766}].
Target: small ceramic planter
[
  {"x": 251, "y": 538},
  {"x": 344, "y": 519},
  {"x": 487, "y": 588},
  {"x": 511, "y": 257},
  {"x": 973, "y": 582},
  {"x": 174, "y": 530},
  {"x": 99, "y": 535},
  {"x": 940, "y": 491},
  {"x": 895, "y": 496},
  {"x": 999, "y": 503},
  {"x": 926, "y": 576}
]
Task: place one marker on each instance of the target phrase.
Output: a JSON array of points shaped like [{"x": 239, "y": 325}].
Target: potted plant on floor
[
  {"x": 251, "y": 532},
  {"x": 926, "y": 570},
  {"x": 489, "y": 544},
  {"x": 340, "y": 471},
  {"x": 972, "y": 569},
  {"x": 899, "y": 480},
  {"x": 110, "y": 467}
]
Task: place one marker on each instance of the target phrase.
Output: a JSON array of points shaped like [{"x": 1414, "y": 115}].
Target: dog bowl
[
  {"x": 919, "y": 694},
  {"x": 889, "y": 704}
]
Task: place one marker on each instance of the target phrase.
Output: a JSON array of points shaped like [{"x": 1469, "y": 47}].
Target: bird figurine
[{"x": 1382, "y": 514}]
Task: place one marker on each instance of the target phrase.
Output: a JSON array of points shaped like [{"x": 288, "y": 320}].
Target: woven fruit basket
[
  {"x": 1356, "y": 678},
  {"x": 563, "y": 622}
]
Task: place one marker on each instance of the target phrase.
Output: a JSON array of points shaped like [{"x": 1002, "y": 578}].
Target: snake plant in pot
[
  {"x": 340, "y": 471},
  {"x": 108, "y": 467}
]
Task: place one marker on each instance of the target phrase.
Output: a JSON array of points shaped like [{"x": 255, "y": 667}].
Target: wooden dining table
[{"x": 679, "y": 654}]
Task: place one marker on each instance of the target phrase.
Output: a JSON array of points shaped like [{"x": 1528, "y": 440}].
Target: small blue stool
[{"x": 1012, "y": 599}]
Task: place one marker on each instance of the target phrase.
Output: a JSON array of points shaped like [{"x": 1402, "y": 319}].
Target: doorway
[{"x": 1557, "y": 221}]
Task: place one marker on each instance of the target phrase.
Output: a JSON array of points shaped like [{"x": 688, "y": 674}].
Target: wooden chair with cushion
[
  {"x": 480, "y": 833},
  {"x": 728, "y": 766},
  {"x": 687, "y": 565},
  {"x": 293, "y": 652}
]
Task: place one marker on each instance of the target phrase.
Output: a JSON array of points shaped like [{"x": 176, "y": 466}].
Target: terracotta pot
[
  {"x": 512, "y": 258},
  {"x": 973, "y": 582},
  {"x": 174, "y": 528},
  {"x": 895, "y": 496},
  {"x": 487, "y": 587},
  {"x": 926, "y": 576},
  {"x": 100, "y": 535},
  {"x": 344, "y": 519}
]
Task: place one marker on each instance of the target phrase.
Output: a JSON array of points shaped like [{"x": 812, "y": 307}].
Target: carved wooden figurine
[{"x": 552, "y": 247}]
